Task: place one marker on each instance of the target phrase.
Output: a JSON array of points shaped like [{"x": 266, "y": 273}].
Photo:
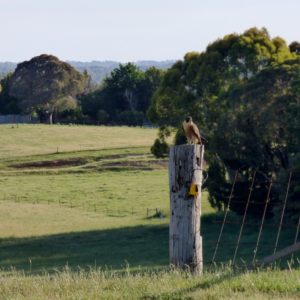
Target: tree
[
  {"x": 60, "y": 105},
  {"x": 41, "y": 84},
  {"x": 235, "y": 91},
  {"x": 8, "y": 104},
  {"x": 194, "y": 85},
  {"x": 295, "y": 47},
  {"x": 147, "y": 87},
  {"x": 261, "y": 130},
  {"x": 160, "y": 147},
  {"x": 123, "y": 84},
  {"x": 125, "y": 95}
]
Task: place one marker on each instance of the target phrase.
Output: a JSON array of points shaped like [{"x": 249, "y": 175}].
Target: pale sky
[{"x": 131, "y": 30}]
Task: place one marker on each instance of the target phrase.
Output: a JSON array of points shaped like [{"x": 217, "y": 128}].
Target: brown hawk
[{"x": 191, "y": 131}]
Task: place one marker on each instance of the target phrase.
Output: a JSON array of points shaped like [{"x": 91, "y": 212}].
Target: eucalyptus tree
[
  {"x": 124, "y": 96},
  {"x": 47, "y": 84},
  {"x": 240, "y": 91}
]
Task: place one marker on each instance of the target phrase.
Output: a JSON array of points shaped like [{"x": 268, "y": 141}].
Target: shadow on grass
[
  {"x": 211, "y": 225},
  {"x": 207, "y": 282},
  {"x": 141, "y": 246}
]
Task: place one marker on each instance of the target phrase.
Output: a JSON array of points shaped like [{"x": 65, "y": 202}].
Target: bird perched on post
[{"x": 191, "y": 131}]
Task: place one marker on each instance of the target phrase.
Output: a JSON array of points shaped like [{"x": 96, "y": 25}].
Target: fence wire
[{"x": 258, "y": 243}]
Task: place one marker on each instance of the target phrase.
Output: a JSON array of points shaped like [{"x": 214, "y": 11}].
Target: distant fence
[{"x": 8, "y": 119}]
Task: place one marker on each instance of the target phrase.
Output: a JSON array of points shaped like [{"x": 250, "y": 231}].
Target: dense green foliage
[
  {"x": 124, "y": 96},
  {"x": 46, "y": 85},
  {"x": 262, "y": 130},
  {"x": 8, "y": 103},
  {"x": 98, "y": 70},
  {"x": 50, "y": 89},
  {"x": 160, "y": 148},
  {"x": 195, "y": 84},
  {"x": 243, "y": 91}
]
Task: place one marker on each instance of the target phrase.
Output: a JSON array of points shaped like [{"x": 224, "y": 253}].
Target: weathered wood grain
[
  {"x": 279, "y": 254},
  {"x": 185, "y": 242}
]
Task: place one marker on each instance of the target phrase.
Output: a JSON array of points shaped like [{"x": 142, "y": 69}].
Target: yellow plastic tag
[{"x": 193, "y": 191}]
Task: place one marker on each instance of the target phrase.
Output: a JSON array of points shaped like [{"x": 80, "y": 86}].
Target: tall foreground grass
[{"x": 97, "y": 284}]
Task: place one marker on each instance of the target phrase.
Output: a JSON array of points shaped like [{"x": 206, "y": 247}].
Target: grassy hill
[
  {"x": 28, "y": 140},
  {"x": 90, "y": 221}
]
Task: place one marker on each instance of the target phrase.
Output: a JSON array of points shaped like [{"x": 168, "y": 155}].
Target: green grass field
[
  {"x": 41, "y": 139},
  {"x": 97, "y": 284},
  {"x": 82, "y": 222}
]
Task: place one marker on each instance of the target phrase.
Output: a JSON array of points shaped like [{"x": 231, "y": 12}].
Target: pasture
[
  {"x": 28, "y": 140},
  {"x": 92, "y": 220}
]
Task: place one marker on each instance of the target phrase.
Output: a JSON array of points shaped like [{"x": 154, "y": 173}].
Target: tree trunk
[
  {"x": 129, "y": 95},
  {"x": 51, "y": 118},
  {"x": 185, "y": 174}
]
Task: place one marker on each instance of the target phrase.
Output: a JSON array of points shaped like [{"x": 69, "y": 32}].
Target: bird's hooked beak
[{"x": 188, "y": 119}]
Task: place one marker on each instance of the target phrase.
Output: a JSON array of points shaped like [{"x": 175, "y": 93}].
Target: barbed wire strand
[
  {"x": 254, "y": 224},
  {"x": 225, "y": 216},
  {"x": 262, "y": 222},
  {"x": 244, "y": 218},
  {"x": 296, "y": 236},
  {"x": 297, "y": 231},
  {"x": 210, "y": 243},
  {"x": 283, "y": 211}
]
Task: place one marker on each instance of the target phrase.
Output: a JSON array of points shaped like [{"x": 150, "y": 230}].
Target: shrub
[{"x": 160, "y": 148}]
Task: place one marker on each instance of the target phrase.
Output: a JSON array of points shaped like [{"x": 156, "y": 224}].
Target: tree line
[
  {"x": 124, "y": 97},
  {"x": 53, "y": 91}
]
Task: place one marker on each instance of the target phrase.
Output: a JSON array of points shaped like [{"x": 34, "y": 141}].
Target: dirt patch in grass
[
  {"x": 139, "y": 164},
  {"x": 115, "y": 156},
  {"x": 51, "y": 163}
]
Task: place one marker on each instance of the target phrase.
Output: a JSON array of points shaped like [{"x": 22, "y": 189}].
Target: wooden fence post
[{"x": 185, "y": 176}]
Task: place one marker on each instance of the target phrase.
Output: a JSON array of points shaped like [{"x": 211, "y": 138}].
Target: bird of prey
[{"x": 191, "y": 131}]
